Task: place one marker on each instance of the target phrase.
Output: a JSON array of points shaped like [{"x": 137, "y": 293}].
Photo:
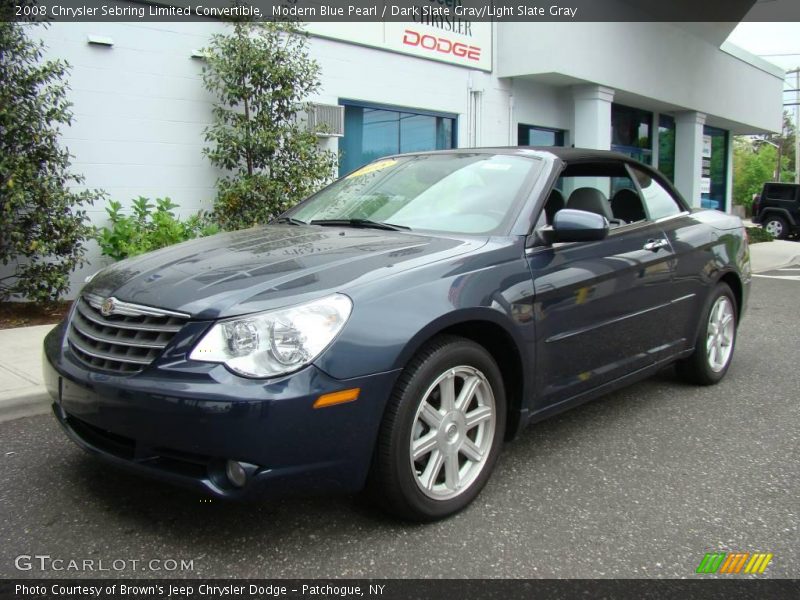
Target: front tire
[
  {"x": 442, "y": 431},
  {"x": 715, "y": 342},
  {"x": 776, "y": 226}
]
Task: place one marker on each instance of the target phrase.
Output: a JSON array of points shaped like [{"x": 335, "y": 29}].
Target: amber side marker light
[{"x": 337, "y": 398}]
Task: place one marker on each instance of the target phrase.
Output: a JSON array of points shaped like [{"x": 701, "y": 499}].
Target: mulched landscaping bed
[{"x": 24, "y": 314}]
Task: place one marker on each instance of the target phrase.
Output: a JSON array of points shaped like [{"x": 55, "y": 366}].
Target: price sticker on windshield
[{"x": 371, "y": 168}]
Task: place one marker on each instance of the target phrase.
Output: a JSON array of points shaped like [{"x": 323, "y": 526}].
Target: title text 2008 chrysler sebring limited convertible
[{"x": 393, "y": 329}]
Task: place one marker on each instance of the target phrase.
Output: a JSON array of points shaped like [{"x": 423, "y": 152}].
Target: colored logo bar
[{"x": 734, "y": 562}]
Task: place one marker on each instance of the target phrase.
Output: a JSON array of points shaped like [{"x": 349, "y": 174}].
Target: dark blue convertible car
[{"x": 391, "y": 331}]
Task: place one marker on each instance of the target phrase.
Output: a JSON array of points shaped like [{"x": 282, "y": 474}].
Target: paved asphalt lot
[{"x": 639, "y": 484}]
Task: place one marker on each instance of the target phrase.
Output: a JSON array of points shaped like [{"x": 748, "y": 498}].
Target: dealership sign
[
  {"x": 443, "y": 45},
  {"x": 452, "y": 40}
]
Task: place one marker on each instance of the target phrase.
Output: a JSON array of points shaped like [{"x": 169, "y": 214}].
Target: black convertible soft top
[{"x": 564, "y": 153}]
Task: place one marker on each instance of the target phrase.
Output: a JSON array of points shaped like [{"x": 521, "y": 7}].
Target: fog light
[{"x": 235, "y": 473}]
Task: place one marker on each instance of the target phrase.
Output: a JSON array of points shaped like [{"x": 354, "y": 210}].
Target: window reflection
[
  {"x": 371, "y": 133},
  {"x": 666, "y": 146},
  {"x": 715, "y": 164},
  {"x": 630, "y": 132},
  {"x": 531, "y": 135}
]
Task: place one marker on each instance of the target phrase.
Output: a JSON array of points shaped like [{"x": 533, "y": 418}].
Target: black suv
[{"x": 777, "y": 209}]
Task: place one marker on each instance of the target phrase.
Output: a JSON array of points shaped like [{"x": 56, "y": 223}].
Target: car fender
[
  {"x": 740, "y": 296},
  {"x": 778, "y": 211},
  {"x": 464, "y": 317},
  {"x": 392, "y": 318}
]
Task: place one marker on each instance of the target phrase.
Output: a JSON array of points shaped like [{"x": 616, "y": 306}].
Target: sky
[{"x": 778, "y": 43}]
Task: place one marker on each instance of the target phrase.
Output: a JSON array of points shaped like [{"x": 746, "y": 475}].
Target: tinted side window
[
  {"x": 780, "y": 192},
  {"x": 605, "y": 188},
  {"x": 592, "y": 193},
  {"x": 658, "y": 202}
]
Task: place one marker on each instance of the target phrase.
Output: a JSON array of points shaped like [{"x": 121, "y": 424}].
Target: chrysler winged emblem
[{"x": 108, "y": 306}]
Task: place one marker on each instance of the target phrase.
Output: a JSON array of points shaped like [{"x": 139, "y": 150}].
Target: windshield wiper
[
  {"x": 290, "y": 221},
  {"x": 359, "y": 223}
]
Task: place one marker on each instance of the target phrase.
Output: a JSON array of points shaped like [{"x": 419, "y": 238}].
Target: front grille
[{"x": 125, "y": 341}]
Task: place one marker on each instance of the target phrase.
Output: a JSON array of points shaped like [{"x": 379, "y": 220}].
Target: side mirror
[{"x": 570, "y": 225}]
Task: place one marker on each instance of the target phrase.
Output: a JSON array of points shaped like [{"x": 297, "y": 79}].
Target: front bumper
[{"x": 181, "y": 422}]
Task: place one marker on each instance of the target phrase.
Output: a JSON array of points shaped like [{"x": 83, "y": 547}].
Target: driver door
[{"x": 600, "y": 306}]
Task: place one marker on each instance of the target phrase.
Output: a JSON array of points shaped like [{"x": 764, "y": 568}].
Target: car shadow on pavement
[
  {"x": 148, "y": 504},
  {"x": 149, "y": 501}
]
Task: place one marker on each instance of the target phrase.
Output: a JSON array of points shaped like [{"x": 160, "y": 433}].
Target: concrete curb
[
  {"x": 778, "y": 254},
  {"x": 791, "y": 263},
  {"x": 30, "y": 404},
  {"x": 22, "y": 390}
]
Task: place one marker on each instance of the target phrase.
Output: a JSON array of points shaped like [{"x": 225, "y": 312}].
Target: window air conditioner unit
[{"x": 326, "y": 120}]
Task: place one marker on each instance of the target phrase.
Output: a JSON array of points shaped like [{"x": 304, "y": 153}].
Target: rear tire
[
  {"x": 716, "y": 339},
  {"x": 441, "y": 433},
  {"x": 777, "y": 226}
]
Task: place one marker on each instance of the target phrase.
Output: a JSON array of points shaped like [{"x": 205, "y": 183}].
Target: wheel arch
[
  {"x": 778, "y": 212},
  {"x": 731, "y": 278},
  {"x": 487, "y": 330},
  {"x": 695, "y": 367}
]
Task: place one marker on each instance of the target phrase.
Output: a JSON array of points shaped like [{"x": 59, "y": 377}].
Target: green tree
[
  {"x": 788, "y": 148},
  {"x": 261, "y": 75},
  {"x": 754, "y": 164},
  {"x": 785, "y": 141},
  {"x": 42, "y": 223}
]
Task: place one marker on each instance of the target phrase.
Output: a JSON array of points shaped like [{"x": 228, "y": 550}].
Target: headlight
[{"x": 275, "y": 342}]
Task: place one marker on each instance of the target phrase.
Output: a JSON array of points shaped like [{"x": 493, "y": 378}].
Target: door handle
[{"x": 656, "y": 245}]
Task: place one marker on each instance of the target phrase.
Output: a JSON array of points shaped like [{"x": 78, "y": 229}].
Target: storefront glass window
[
  {"x": 372, "y": 132},
  {"x": 715, "y": 164},
  {"x": 666, "y": 146},
  {"x": 530, "y": 135},
  {"x": 630, "y": 132}
]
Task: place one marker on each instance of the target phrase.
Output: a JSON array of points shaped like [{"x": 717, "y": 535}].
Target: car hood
[{"x": 265, "y": 267}]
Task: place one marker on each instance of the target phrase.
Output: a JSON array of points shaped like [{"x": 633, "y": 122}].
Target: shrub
[
  {"x": 43, "y": 225},
  {"x": 757, "y": 235},
  {"x": 261, "y": 75},
  {"x": 145, "y": 229}
]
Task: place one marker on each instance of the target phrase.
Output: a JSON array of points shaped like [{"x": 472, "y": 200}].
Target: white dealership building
[{"x": 670, "y": 94}]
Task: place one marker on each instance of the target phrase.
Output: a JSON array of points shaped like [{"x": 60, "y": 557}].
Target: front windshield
[{"x": 458, "y": 193}]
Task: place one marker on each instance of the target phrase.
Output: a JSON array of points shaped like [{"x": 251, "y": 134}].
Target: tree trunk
[{"x": 248, "y": 151}]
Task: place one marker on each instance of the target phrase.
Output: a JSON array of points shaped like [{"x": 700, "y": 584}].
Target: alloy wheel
[
  {"x": 720, "y": 333},
  {"x": 452, "y": 434}
]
